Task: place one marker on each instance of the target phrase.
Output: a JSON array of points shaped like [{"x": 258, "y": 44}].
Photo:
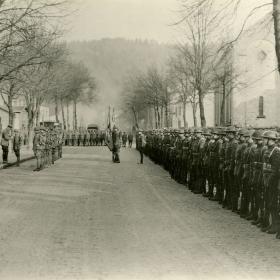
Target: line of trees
[
  {"x": 194, "y": 70},
  {"x": 202, "y": 62},
  {"x": 35, "y": 65},
  {"x": 148, "y": 95}
]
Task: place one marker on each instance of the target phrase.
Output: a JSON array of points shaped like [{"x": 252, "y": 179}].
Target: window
[{"x": 261, "y": 107}]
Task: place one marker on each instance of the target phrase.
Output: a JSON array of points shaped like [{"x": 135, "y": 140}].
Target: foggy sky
[
  {"x": 131, "y": 19},
  {"x": 147, "y": 19}
]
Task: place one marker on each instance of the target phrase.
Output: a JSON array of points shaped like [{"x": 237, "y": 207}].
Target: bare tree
[
  {"x": 181, "y": 84},
  {"x": 148, "y": 92},
  {"x": 82, "y": 88},
  {"x": 10, "y": 91},
  {"x": 225, "y": 80},
  {"x": 198, "y": 52},
  {"x": 25, "y": 24}
]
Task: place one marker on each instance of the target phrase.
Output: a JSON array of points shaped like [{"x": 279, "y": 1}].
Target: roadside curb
[{"x": 5, "y": 166}]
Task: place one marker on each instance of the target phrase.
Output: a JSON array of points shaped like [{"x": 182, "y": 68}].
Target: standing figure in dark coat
[{"x": 116, "y": 141}]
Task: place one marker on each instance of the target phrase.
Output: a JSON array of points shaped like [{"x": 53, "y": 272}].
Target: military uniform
[
  {"x": 38, "y": 147},
  {"x": 271, "y": 160},
  {"x": 17, "y": 141},
  {"x": 116, "y": 146}
]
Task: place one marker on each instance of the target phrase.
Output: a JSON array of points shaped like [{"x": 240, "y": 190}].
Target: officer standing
[
  {"x": 17, "y": 141},
  {"x": 116, "y": 145},
  {"x": 6, "y": 137},
  {"x": 141, "y": 145}
]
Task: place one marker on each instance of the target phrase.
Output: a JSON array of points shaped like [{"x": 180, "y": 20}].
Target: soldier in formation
[
  {"x": 47, "y": 146},
  {"x": 84, "y": 138},
  {"x": 237, "y": 167}
]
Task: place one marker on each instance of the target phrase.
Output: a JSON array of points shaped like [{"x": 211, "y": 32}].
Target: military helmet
[
  {"x": 248, "y": 133},
  {"x": 221, "y": 131},
  {"x": 206, "y": 132},
  {"x": 181, "y": 131},
  {"x": 242, "y": 131},
  {"x": 257, "y": 134},
  {"x": 270, "y": 134},
  {"x": 231, "y": 129},
  {"x": 215, "y": 131},
  {"x": 198, "y": 130},
  {"x": 37, "y": 128}
]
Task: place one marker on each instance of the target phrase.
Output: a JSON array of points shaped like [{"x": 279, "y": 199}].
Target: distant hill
[{"x": 110, "y": 61}]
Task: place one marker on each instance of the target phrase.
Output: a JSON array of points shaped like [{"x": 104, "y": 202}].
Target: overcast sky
[{"x": 145, "y": 19}]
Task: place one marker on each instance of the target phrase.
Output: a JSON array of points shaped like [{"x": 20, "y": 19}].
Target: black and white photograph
[{"x": 140, "y": 139}]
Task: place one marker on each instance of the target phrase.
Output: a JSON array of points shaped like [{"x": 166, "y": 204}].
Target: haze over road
[{"x": 87, "y": 218}]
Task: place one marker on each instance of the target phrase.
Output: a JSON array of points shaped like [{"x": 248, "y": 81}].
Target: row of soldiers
[
  {"x": 84, "y": 138},
  {"x": 47, "y": 146},
  {"x": 237, "y": 167}
]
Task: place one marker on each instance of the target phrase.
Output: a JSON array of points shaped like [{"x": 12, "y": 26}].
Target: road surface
[{"x": 87, "y": 218}]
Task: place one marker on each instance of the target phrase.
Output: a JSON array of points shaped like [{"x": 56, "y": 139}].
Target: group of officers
[
  {"x": 47, "y": 145},
  {"x": 237, "y": 167},
  {"x": 90, "y": 137}
]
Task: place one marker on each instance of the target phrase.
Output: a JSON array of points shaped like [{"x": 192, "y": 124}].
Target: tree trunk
[
  {"x": 63, "y": 115},
  {"x": 135, "y": 117},
  {"x": 155, "y": 112},
  {"x": 30, "y": 126},
  {"x": 276, "y": 19},
  {"x": 184, "y": 115},
  {"x": 163, "y": 123},
  {"x": 166, "y": 116},
  {"x": 201, "y": 109},
  {"x": 223, "y": 106},
  {"x": 38, "y": 117},
  {"x": 159, "y": 118},
  {"x": 194, "y": 108},
  {"x": 75, "y": 119},
  {"x": 67, "y": 116},
  {"x": 11, "y": 110},
  {"x": 56, "y": 110}
]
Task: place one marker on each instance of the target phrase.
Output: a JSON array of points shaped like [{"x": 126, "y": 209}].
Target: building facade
[{"x": 257, "y": 102}]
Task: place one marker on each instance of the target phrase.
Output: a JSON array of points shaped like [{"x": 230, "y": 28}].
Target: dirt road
[{"x": 87, "y": 218}]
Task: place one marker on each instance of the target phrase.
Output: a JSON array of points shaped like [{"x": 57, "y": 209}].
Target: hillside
[{"x": 110, "y": 61}]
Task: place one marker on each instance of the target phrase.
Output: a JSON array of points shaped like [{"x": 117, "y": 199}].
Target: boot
[
  {"x": 250, "y": 217},
  {"x": 214, "y": 198},
  {"x": 265, "y": 228},
  {"x": 256, "y": 221},
  {"x": 206, "y": 195},
  {"x": 272, "y": 230},
  {"x": 278, "y": 235}
]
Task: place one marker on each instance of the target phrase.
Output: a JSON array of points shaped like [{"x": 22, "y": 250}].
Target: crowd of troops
[
  {"x": 85, "y": 138},
  {"x": 47, "y": 146},
  {"x": 94, "y": 137},
  {"x": 237, "y": 167}
]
